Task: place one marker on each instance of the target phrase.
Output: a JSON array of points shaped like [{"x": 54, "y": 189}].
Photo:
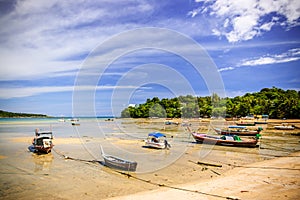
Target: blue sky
[{"x": 47, "y": 48}]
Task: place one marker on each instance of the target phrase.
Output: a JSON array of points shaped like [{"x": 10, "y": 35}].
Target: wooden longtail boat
[
  {"x": 232, "y": 140},
  {"x": 245, "y": 123},
  {"x": 238, "y": 130},
  {"x": 118, "y": 163},
  {"x": 42, "y": 142}
]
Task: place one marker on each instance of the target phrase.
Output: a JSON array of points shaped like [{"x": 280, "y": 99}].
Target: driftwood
[
  {"x": 207, "y": 164},
  {"x": 215, "y": 172}
]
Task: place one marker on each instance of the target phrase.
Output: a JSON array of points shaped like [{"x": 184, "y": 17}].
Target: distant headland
[{"x": 5, "y": 114}]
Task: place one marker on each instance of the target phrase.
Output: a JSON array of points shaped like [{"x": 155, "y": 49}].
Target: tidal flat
[{"x": 68, "y": 173}]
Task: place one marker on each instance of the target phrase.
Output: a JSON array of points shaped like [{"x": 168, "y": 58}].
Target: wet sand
[{"x": 25, "y": 175}]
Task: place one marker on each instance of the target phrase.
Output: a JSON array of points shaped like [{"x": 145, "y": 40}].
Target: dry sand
[{"x": 271, "y": 179}]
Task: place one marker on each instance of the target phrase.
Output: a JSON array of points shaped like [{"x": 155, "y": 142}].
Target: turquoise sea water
[{"x": 24, "y": 127}]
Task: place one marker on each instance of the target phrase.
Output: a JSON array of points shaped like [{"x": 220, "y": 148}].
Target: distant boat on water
[
  {"x": 75, "y": 122},
  {"x": 61, "y": 120}
]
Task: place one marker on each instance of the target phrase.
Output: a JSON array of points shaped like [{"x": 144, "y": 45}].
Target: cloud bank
[{"x": 241, "y": 20}]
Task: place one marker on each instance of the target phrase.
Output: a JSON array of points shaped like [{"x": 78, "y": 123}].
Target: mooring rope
[
  {"x": 176, "y": 188},
  {"x": 144, "y": 180},
  {"x": 169, "y": 186}
]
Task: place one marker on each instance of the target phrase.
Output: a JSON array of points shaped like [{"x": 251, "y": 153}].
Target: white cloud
[
  {"x": 226, "y": 69},
  {"x": 48, "y": 37},
  {"x": 289, "y": 56},
  {"x": 16, "y": 92},
  {"x": 244, "y": 19}
]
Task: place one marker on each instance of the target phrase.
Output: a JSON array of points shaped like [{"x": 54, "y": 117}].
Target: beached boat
[
  {"x": 118, "y": 163},
  {"x": 238, "y": 130},
  {"x": 260, "y": 122},
  {"x": 75, "y": 122},
  {"x": 157, "y": 140},
  {"x": 42, "y": 142},
  {"x": 242, "y": 123},
  {"x": 284, "y": 127},
  {"x": 225, "y": 140}
]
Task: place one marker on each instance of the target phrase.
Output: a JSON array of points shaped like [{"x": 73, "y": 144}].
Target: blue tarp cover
[
  {"x": 156, "y": 134},
  {"x": 237, "y": 127}
]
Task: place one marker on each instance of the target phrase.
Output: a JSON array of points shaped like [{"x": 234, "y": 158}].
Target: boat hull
[
  {"x": 118, "y": 163},
  {"x": 284, "y": 127},
  {"x": 42, "y": 149},
  {"x": 245, "y": 124},
  {"x": 214, "y": 140},
  {"x": 156, "y": 145},
  {"x": 42, "y": 143},
  {"x": 241, "y": 133}
]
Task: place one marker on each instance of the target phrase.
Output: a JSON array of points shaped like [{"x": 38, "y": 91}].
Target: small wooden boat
[
  {"x": 238, "y": 130},
  {"x": 42, "y": 142},
  {"x": 225, "y": 140},
  {"x": 157, "y": 140},
  {"x": 118, "y": 163},
  {"x": 260, "y": 122},
  {"x": 284, "y": 127},
  {"x": 245, "y": 123},
  {"x": 75, "y": 122}
]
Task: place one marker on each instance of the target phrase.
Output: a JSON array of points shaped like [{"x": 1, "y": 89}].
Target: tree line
[
  {"x": 275, "y": 102},
  {"x": 5, "y": 114}
]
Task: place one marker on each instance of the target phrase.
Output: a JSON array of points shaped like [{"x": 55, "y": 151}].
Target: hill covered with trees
[
  {"x": 275, "y": 102},
  {"x": 5, "y": 114}
]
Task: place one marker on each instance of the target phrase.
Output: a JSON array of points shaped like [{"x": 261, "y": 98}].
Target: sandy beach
[
  {"x": 269, "y": 172},
  {"x": 271, "y": 179}
]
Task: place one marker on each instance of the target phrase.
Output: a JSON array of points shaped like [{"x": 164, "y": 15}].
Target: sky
[{"x": 94, "y": 58}]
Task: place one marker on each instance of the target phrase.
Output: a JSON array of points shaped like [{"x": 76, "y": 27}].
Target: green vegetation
[
  {"x": 5, "y": 114},
  {"x": 275, "y": 102}
]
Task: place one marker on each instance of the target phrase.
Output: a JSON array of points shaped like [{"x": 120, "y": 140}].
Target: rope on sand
[
  {"x": 144, "y": 180},
  {"x": 76, "y": 159},
  {"x": 173, "y": 187}
]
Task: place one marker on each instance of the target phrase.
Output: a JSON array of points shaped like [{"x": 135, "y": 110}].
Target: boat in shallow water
[
  {"x": 225, "y": 140},
  {"x": 42, "y": 142}
]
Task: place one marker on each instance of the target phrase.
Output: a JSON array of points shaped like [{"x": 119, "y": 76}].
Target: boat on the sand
[
  {"x": 284, "y": 127},
  {"x": 118, "y": 163},
  {"x": 238, "y": 130},
  {"x": 242, "y": 123},
  {"x": 225, "y": 140},
  {"x": 157, "y": 140},
  {"x": 42, "y": 142}
]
